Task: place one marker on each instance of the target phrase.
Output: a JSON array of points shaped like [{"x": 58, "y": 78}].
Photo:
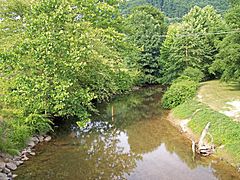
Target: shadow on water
[{"x": 129, "y": 138}]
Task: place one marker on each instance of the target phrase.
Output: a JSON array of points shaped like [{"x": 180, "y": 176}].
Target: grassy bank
[
  {"x": 15, "y": 129},
  {"x": 225, "y": 130}
]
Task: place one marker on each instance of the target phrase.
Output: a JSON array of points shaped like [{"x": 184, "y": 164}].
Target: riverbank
[
  {"x": 191, "y": 117},
  {"x": 9, "y": 163}
]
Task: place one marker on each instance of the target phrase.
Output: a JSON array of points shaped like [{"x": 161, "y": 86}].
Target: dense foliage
[
  {"x": 191, "y": 43},
  {"x": 147, "y": 28},
  {"x": 177, "y": 8},
  {"x": 228, "y": 58},
  {"x": 193, "y": 73},
  {"x": 71, "y": 53},
  {"x": 178, "y": 93}
]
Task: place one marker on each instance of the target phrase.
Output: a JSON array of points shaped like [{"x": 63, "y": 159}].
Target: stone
[
  {"x": 2, "y": 165},
  {"x": 28, "y": 150},
  {"x": 25, "y": 158},
  {"x": 9, "y": 174},
  {"x": 16, "y": 158},
  {"x": 48, "y": 138},
  {"x": 11, "y": 166},
  {"x": 31, "y": 144},
  {"x": 3, "y": 176},
  {"x": 18, "y": 163},
  {"x": 32, "y": 153},
  {"x": 35, "y": 139},
  {"x": 14, "y": 175},
  {"x": 6, "y": 170},
  {"x": 41, "y": 138}
]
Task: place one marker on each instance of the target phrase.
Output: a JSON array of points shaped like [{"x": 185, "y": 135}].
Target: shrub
[
  {"x": 178, "y": 93},
  {"x": 193, "y": 73},
  {"x": 182, "y": 78}
]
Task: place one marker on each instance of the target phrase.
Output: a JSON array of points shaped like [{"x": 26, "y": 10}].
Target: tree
[
  {"x": 228, "y": 58},
  {"x": 12, "y": 21},
  {"x": 147, "y": 27},
  {"x": 176, "y": 9},
  {"x": 71, "y": 55},
  {"x": 191, "y": 43}
]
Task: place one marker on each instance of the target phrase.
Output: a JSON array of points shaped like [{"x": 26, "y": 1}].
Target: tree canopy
[
  {"x": 147, "y": 29},
  {"x": 191, "y": 43},
  {"x": 177, "y": 8}
]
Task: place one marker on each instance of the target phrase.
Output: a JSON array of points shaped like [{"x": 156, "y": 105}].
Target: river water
[{"x": 130, "y": 138}]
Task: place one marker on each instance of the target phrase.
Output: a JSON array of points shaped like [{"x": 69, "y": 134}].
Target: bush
[
  {"x": 178, "y": 93},
  {"x": 193, "y": 73}
]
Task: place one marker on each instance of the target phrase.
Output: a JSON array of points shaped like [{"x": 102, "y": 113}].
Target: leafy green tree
[
  {"x": 12, "y": 22},
  {"x": 68, "y": 58},
  {"x": 147, "y": 27},
  {"x": 191, "y": 43},
  {"x": 228, "y": 58}
]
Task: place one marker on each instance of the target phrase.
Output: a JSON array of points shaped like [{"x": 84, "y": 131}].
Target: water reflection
[{"x": 134, "y": 142}]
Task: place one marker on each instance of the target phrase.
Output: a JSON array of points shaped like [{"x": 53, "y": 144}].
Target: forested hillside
[{"x": 178, "y": 8}]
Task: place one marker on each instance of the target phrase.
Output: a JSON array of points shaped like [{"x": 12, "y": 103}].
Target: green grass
[
  {"x": 224, "y": 130},
  {"x": 186, "y": 109}
]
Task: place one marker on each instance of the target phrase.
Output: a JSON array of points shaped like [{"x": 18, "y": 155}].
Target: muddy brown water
[{"x": 132, "y": 140}]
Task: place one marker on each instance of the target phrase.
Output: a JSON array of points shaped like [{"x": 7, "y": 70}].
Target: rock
[
  {"x": 31, "y": 144},
  {"x": 25, "y": 158},
  {"x": 28, "y": 150},
  {"x": 11, "y": 166},
  {"x": 9, "y": 175},
  {"x": 32, "y": 153},
  {"x": 14, "y": 175},
  {"x": 16, "y": 158},
  {"x": 48, "y": 138},
  {"x": 18, "y": 163},
  {"x": 35, "y": 139},
  {"x": 41, "y": 138},
  {"x": 2, "y": 165},
  {"x": 6, "y": 159},
  {"x": 3, "y": 176},
  {"x": 6, "y": 170}
]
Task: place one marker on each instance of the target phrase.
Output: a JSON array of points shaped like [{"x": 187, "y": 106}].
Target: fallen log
[{"x": 202, "y": 148}]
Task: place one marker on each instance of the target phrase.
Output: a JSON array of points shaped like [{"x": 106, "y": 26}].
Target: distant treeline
[{"x": 177, "y": 8}]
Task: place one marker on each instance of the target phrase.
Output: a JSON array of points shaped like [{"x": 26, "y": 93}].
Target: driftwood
[
  {"x": 202, "y": 148},
  {"x": 204, "y": 133},
  {"x": 112, "y": 113},
  {"x": 193, "y": 149}
]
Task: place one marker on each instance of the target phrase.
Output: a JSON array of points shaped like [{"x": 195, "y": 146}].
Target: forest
[
  {"x": 59, "y": 58},
  {"x": 176, "y": 9}
]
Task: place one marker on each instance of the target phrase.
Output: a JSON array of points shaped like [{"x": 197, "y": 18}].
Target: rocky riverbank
[{"x": 8, "y": 163}]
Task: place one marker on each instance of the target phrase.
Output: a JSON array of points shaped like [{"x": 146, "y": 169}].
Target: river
[{"x": 129, "y": 138}]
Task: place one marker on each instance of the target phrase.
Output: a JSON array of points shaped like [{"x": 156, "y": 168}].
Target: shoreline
[
  {"x": 188, "y": 133},
  {"x": 9, "y": 163}
]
